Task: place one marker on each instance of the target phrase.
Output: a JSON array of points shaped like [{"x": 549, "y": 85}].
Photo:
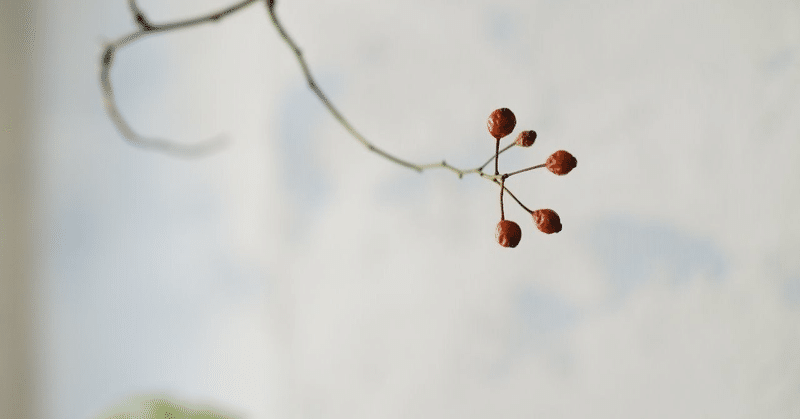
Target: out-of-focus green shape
[{"x": 161, "y": 407}]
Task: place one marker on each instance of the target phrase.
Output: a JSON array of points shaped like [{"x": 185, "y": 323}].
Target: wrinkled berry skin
[
  {"x": 501, "y": 123},
  {"x": 525, "y": 138},
  {"x": 561, "y": 162},
  {"x": 508, "y": 233},
  {"x": 547, "y": 221}
]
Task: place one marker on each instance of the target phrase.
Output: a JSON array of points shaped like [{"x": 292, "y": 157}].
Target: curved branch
[
  {"x": 107, "y": 61},
  {"x": 312, "y": 84},
  {"x": 146, "y": 27}
]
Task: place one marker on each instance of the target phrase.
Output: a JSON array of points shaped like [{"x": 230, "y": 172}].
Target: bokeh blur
[{"x": 294, "y": 274}]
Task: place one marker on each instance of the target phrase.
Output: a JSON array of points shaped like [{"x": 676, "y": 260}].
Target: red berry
[
  {"x": 561, "y": 162},
  {"x": 501, "y": 123},
  {"x": 547, "y": 221},
  {"x": 508, "y": 233},
  {"x": 526, "y": 138}
]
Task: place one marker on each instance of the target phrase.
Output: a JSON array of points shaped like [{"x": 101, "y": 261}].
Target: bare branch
[
  {"x": 146, "y": 27},
  {"x": 346, "y": 124},
  {"x": 324, "y": 99}
]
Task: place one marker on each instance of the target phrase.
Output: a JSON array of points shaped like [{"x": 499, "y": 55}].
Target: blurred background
[{"x": 296, "y": 275}]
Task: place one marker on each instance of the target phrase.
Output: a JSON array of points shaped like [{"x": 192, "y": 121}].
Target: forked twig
[{"x": 147, "y": 28}]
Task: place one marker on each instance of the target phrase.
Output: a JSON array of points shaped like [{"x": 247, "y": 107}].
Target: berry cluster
[{"x": 501, "y": 123}]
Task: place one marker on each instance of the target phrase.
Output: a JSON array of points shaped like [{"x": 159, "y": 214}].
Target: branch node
[
  {"x": 143, "y": 22},
  {"x": 108, "y": 55}
]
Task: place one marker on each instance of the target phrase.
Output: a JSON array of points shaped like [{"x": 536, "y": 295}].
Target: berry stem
[
  {"x": 525, "y": 170},
  {"x": 502, "y": 187},
  {"x": 496, "y": 155},
  {"x": 493, "y": 158}
]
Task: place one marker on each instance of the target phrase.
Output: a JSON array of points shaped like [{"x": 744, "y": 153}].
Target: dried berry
[
  {"x": 508, "y": 233},
  {"x": 547, "y": 221},
  {"x": 561, "y": 162},
  {"x": 525, "y": 138},
  {"x": 501, "y": 123}
]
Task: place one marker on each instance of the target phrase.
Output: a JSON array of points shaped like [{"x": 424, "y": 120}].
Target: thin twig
[
  {"x": 148, "y": 28},
  {"x": 526, "y": 169},
  {"x": 332, "y": 109}
]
